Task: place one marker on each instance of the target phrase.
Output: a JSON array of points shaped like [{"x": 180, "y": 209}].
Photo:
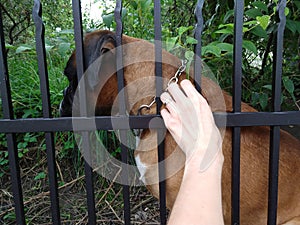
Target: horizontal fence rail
[
  {"x": 242, "y": 119},
  {"x": 235, "y": 120}
]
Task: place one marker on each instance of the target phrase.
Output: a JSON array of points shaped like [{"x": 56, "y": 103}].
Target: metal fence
[{"x": 49, "y": 125}]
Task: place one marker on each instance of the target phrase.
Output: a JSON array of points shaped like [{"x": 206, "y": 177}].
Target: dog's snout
[
  {"x": 67, "y": 91},
  {"x": 65, "y": 107}
]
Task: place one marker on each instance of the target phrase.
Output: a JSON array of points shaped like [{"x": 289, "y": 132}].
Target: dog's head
[
  {"x": 96, "y": 44},
  {"x": 100, "y": 76}
]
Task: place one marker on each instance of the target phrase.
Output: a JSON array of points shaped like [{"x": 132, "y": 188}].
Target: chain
[
  {"x": 173, "y": 79},
  {"x": 146, "y": 106},
  {"x": 180, "y": 70}
]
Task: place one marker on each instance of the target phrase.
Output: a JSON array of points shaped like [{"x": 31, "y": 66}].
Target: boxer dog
[{"x": 254, "y": 151}]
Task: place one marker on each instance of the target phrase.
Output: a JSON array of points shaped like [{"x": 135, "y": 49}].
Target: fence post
[
  {"x": 236, "y": 105},
  {"x": 11, "y": 138},
  {"x": 76, "y": 4},
  {"x": 44, "y": 87},
  {"x": 275, "y": 130}
]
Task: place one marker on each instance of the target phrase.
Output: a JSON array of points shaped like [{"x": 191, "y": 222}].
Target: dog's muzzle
[{"x": 65, "y": 106}]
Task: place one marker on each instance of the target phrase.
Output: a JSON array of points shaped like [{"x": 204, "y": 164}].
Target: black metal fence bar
[
  {"x": 11, "y": 138},
  {"x": 44, "y": 86},
  {"x": 80, "y": 63},
  {"x": 122, "y": 108},
  {"x": 275, "y": 130},
  {"x": 197, "y": 50},
  {"x": 159, "y": 89},
  {"x": 236, "y": 104}
]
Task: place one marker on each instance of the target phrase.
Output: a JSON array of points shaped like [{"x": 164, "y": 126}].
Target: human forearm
[{"x": 199, "y": 197}]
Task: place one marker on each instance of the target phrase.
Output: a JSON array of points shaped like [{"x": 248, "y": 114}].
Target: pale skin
[{"x": 189, "y": 119}]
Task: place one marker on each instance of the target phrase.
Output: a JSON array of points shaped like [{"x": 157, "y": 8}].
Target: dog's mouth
[{"x": 68, "y": 107}]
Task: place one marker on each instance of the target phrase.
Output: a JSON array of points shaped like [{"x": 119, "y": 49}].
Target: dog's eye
[{"x": 104, "y": 50}]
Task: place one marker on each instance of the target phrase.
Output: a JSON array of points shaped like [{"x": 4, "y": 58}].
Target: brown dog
[{"x": 254, "y": 140}]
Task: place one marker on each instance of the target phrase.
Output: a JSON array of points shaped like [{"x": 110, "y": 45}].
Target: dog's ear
[
  {"x": 106, "y": 44},
  {"x": 71, "y": 71},
  {"x": 93, "y": 49},
  {"x": 103, "y": 60}
]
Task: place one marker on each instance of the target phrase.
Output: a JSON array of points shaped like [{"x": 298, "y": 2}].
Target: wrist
[{"x": 193, "y": 164}]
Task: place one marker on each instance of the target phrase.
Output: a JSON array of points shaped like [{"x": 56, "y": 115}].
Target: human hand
[{"x": 189, "y": 119}]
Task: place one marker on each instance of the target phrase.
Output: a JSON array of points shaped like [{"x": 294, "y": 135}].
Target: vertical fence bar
[
  {"x": 236, "y": 104},
  {"x": 122, "y": 108},
  {"x": 76, "y": 4},
  {"x": 44, "y": 86},
  {"x": 197, "y": 49},
  {"x": 275, "y": 130},
  {"x": 159, "y": 89},
  {"x": 11, "y": 138}
]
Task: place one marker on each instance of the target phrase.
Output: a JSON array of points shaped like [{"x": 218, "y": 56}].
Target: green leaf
[
  {"x": 260, "y": 5},
  {"x": 145, "y": 4},
  {"x": 63, "y": 48},
  {"x": 297, "y": 3},
  {"x": 291, "y": 25},
  {"x": 263, "y": 21},
  {"x": 108, "y": 19},
  {"x": 23, "y": 48},
  {"x": 253, "y": 13},
  {"x": 254, "y": 98},
  {"x": 297, "y": 24},
  {"x": 263, "y": 100},
  {"x": 67, "y": 31},
  {"x": 286, "y": 11},
  {"x": 268, "y": 86},
  {"x": 9, "y": 46},
  {"x": 170, "y": 43},
  {"x": 259, "y": 31},
  {"x": 225, "y": 47},
  {"x": 288, "y": 84},
  {"x": 182, "y": 30},
  {"x": 134, "y": 4},
  {"x": 224, "y": 31},
  {"x": 249, "y": 45},
  {"x": 189, "y": 55},
  {"x": 190, "y": 40},
  {"x": 211, "y": 49},
  {"x": 228, "y": 14},
  {"x": 40, "y": 176},
  {"x": 48, "y": 47},
  {"x": 251, "y": 22},
  {"x": 228, "y": 25}
]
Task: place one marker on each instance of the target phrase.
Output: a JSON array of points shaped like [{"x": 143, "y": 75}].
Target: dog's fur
[{"x": 254, "y": 140}]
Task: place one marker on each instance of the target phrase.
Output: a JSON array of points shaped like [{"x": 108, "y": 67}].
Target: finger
[
  {"x": 176, "y": 93},
  {"x": 166, "y": 117},
  {"x": 191, "y": 92},
  {"x": 167, "y": 99},
  {"x": 189, "y": 89},
  {"x": 195, "y": 96}
]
